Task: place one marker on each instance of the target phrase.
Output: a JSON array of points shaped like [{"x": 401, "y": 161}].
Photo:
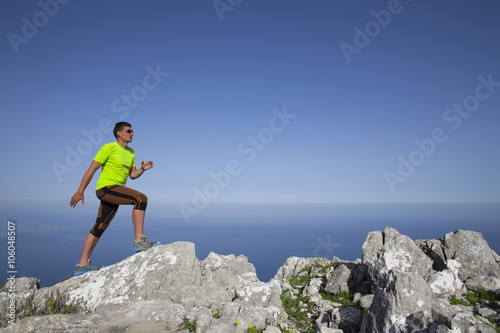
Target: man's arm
[
  {"x": 136, "y": 173},
  {"x": 87, "y": 177}
]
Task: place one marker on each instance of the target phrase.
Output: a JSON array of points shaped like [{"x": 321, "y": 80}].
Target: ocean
[{"x": 48, "y": 245}]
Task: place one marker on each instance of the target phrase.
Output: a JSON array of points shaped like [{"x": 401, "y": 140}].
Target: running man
[{"x": 118, "y": 163}]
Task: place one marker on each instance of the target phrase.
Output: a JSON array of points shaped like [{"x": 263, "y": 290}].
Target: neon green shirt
[{"x": 116, "y": 164}]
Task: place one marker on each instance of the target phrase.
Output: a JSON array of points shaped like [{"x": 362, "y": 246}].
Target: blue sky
[{"x": 255, "y": 101}]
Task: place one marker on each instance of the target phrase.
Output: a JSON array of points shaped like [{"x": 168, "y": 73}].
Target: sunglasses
[{"x": 128, "y": 131}]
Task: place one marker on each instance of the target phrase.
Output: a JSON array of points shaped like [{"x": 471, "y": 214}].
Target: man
[{"x": 118, "y": 163}]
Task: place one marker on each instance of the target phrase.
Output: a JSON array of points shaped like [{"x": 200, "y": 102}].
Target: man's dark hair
[{"x": 119, "y": 127}]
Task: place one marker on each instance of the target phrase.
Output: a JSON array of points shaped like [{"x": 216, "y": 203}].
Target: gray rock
[
  {"x": 390, "y": 233},
  {"x": 347, "y": 318},
  {"x": 195, "y": 296},
  {"x": 442, "y": 329},
  {"x": 357, "y": 297},
  {"x": 464, "y": 322},
  {"x": 292, "y": 267},
  {"x": 314, "y": 287},
  {"x": 442, "y": 311},
  {"x": 417, "y": 322},
  {"x": 218, "y": 328},
  {"x": 330, "y": 330},
  {"x": 14, "y": 296},
  {"x": 339, "y": 280},
  {"x": 260, "y": 293},
  {"x": 255, "y": 316},
  {"x": 489, "y": 283},
  {"x": 410, "y": 284},
  {"x": 22, "y": 285},
  {"x": 271, "y": 329},
  {"x": 365, "y": 301},
  {"x": 399, "y": 273},
  {"x": 53, "y": 323},
  {"x": 227, "y": 271},
  {"x": 159, "y": 288},
  {"x": 324, "y": 305},
  {"x": 156, "y": 273},
  {"x": 486, "y": 312},
  {"x": 372, "y": 246},
  {"x": 447, "y": 282},
  {"x": 471, "y": 250}
]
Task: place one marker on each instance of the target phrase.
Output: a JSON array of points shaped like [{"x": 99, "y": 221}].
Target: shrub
[
  {"x": 299, "y": 310},
  {"x": 189, "y": 325},
  {"x": 54, "y": 304}
]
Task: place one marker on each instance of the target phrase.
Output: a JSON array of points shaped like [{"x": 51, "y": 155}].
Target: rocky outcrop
[
  {"x": 166, "y": 288},
  {"x": 400, "y": 285}
]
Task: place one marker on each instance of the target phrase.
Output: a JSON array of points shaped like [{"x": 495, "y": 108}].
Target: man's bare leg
[
  {"x": 138, "y": 220},
  {"x": 88, "y": 247}
]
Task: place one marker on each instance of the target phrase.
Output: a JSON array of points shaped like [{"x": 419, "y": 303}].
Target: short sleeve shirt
[{"x": 116, "y": 164}]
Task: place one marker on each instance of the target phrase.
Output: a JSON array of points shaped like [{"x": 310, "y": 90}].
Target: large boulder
[
  {"x": 478, "y": 261},
  {"x": 157, "y": 273},
  {"x": 292, "y": 267},
  {"x": 339, "y": 281},
  {"x": 227, "y": 271},
  {"x": 399, "y": 272}
]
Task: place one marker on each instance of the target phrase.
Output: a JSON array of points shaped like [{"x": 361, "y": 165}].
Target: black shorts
[{"x": 111, "y": 198}]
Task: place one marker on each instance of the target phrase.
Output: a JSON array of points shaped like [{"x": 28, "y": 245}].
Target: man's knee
[
  {"x": 97, "y": 232},
  {"x": 143, "y": 202}
]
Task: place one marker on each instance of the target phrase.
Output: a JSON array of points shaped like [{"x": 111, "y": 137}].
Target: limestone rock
[
  {"x": 372, "y": 245},
  {"x": 339, "y": 280},
  {"x": 292, "y": 267},
  {"x": 366, "y": 301},
  {"x": 227, "y": 271},
  {"x": 471, "y": 250},
  {"x": 447, "y": 282},
  {"x": 347, "y": 318},
  {"x": 14, "y": 296},
  {"x": 158, "y": 289},
  {"x": 399, "y": 286},
  {"x": 399, "y": 272}
]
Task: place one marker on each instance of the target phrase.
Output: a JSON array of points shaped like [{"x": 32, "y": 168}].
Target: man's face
[{"x": 126, "y": 134}]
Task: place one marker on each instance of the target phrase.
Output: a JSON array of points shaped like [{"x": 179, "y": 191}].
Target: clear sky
[{"x": 252, "y": 101}]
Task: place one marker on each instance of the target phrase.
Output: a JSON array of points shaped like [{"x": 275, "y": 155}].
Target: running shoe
[
  {"x": 144, "y": 244},
  {"x": 79, "y": 270}
]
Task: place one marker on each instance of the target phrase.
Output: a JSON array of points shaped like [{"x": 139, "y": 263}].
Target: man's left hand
[{"x": 146, "y": 166}]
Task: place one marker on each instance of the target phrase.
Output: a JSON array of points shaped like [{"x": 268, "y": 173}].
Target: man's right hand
[{"x": 77, "y": 197}]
